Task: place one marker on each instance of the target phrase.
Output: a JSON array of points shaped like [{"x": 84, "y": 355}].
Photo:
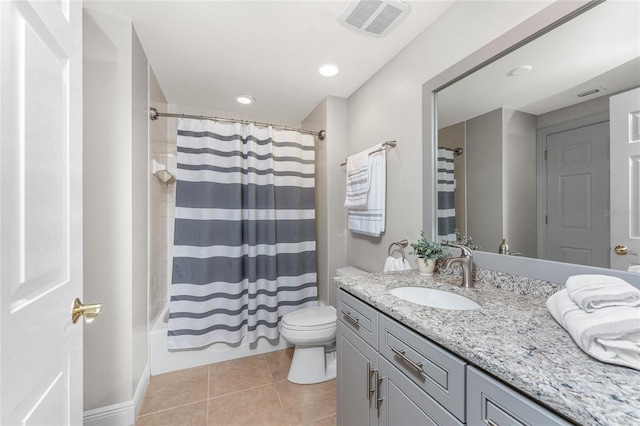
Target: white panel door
[
  {"x": 625, "y": 178},
  {"x": 577, "y": 230},
  {"x": 40, "y": 212}
]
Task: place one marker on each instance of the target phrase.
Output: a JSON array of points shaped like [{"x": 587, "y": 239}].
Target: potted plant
[{"x": 428, "y": 252}]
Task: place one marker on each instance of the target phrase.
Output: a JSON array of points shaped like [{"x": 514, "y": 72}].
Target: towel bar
[{"x": 391, "y": 144}]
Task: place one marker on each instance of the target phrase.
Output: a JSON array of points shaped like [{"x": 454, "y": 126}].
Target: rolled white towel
[
  {"x": 611, "y": 335},
  {"x": 395, "y": 264},
  {"x": 634, "y": 268},
  {"x": 592, "y": 292}
]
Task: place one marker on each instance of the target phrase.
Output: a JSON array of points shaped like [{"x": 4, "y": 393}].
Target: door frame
[{"x": 541, "y": 184}]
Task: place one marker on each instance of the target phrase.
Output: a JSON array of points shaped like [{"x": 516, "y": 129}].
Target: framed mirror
[{"x": 531, "y": 119}]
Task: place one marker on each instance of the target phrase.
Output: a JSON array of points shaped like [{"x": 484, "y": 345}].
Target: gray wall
[
  {"x": 330, "y": 115},
  {"x": 115, "y": 209},
  {"x": 484, "y": 180},
  {"x": 389, "y": 106},
  {"x": 519, "y": 166}
]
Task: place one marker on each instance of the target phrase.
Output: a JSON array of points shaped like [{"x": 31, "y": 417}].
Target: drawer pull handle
[
  {"x": 416, "y": 366},
  {"x": 492, "y": 423},
  {"x": 378, "y": 381},
  {"x": 369, "y": 389},
  {"x": 348, "y": 316}
]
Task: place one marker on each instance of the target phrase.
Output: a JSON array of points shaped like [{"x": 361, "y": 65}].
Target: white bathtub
[{"x": 163, "y": 360}]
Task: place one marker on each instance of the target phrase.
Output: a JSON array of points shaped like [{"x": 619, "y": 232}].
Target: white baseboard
[{"x": 122, "y": 414}]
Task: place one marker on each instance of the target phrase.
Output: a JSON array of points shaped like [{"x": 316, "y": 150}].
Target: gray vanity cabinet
[{"x": 489, "y": 402}]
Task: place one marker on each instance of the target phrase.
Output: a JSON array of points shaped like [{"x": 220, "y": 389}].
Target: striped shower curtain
[
  {"x": 446, "y": 206},
  {"x": 244, "y": 247}
]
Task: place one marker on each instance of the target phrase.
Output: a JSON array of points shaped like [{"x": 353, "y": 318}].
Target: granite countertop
[{"x": 513, "y": 337}]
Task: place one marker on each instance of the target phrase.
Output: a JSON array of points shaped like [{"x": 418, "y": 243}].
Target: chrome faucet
[{"x": 465, "y": 260}]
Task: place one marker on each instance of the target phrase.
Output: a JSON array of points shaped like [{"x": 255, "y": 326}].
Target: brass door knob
[
  {"x": 90, "y": 312},
  {"x": 622, "y": 250}
]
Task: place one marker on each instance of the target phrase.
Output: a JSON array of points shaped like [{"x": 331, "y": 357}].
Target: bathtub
[{"x": 163, "y": 360}]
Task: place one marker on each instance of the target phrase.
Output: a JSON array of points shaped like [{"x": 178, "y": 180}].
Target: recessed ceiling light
[
  {"x": 523, "y": 69},
  {"x": 244, "y": 99},
  {"x": 328, "y": 70}
]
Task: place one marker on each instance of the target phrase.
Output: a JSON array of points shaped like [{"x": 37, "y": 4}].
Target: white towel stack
[
  {"x": 610, "y": 330},
  {"x": 370, "y": 219},
  {"x": 592, "y": 292},
  {"x": 395, "y": 264}
]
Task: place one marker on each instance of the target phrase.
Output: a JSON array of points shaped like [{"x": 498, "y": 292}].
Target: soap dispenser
[{"x": 504, "y": 247}]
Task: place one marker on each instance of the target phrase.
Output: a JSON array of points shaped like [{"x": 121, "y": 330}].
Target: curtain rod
[
  {"x": 456, "y": 151},
  {"x": 154, "y": 115}
]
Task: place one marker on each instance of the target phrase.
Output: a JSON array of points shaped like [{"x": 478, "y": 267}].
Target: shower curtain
[
  {"x": 446, "y": 205},
  {"x": 244, "y": 246}
]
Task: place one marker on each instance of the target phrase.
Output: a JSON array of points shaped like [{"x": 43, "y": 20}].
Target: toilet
[{"x": 313, "y": 332}]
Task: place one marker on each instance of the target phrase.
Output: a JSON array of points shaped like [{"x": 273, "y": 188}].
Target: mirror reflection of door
[
  {"x": 576, "y": 165},
  {"x": 624, "y": 211}
]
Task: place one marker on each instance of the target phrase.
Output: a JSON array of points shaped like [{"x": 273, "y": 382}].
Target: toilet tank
[{"x": 349, "y": 271}]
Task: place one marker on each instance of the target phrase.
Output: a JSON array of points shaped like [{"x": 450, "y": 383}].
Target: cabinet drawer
[
  {"x": 437, "y": 372},
  {"x": 361, "y": 318},
  {"x": 493, "y": 403}
]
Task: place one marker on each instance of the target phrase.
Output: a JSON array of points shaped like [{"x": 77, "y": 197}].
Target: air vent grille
[{"x": 374, "y": 18}]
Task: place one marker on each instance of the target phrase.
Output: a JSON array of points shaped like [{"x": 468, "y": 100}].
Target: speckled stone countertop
[{"x": 513, "y": 337}]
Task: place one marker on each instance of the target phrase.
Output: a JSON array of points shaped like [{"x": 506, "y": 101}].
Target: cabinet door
[
  {"x": 404, "y": 403},
  {"x": 489, "y": 402},
  {"x": 357, "y": 363}
]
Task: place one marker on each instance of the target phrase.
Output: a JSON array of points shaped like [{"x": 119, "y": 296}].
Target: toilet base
[{"x": 312, "y": 364}]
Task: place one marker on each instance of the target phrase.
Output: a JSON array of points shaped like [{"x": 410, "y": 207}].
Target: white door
[
  {"x": 577, "y": 231},
  {"x": 40, "y": 212},
  {"x": 625, "y": 179}
]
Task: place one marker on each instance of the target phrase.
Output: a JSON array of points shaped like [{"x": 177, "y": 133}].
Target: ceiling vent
[{"x": 375, "y": 18}]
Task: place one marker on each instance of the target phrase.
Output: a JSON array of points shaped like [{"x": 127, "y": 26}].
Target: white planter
[{"x": 426, "y": 266}]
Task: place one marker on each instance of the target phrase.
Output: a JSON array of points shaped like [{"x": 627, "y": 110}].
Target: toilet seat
[{"x": 311, "y": 319}]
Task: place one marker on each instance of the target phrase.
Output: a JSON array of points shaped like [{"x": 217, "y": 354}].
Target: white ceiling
[
  {"x": 599, "y": 49},
  {"x": 205, "y": 52}
]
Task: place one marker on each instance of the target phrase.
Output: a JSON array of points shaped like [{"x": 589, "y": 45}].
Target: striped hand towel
[
  {"x": 371, "y": 221},
  {"x": 357, "y": 180}
]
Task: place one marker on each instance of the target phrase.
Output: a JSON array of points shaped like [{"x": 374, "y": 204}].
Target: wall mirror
[{"x": 533, "y": 126}]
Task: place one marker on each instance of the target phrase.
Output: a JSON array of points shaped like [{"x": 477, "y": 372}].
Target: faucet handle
[{"x": 465, "y": 251}]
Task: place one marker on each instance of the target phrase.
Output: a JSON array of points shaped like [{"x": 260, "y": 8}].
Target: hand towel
[
  {"x": 611, "y": 335},
  {"x": 371, "y": 221},
  {"x": 592, "y": 292},
  {"x": 395, "y": 264},
  {"x": 357, "y": 180}
]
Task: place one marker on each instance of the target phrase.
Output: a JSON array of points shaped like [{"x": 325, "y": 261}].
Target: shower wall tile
[{"x": 158, "y": 200}]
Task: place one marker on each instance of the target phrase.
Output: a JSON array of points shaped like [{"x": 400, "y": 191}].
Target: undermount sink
[{"x": 434, "y": 298}]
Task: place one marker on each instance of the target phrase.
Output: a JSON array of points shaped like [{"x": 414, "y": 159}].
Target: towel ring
[{"x": 402, "y": 244}]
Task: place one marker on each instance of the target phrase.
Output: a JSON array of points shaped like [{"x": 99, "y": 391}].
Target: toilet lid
[{"x": 311, "y": 317}]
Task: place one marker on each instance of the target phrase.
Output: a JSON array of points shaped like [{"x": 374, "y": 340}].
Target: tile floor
[{"x": 248, "y": 391}]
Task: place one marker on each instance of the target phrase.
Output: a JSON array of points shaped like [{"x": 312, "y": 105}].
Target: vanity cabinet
[{"x": 390, "y": 375}]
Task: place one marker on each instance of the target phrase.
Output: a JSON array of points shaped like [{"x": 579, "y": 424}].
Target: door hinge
[
  {"x": 546, "y": 220},
  {"x": 545, "y": 154}
]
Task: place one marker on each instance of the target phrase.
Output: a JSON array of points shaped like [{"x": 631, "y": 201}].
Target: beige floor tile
[
  {"x": 259, "y": 406},
  {"x": 174, "y": 389},
  {"x": 325, "y": 421},
  {"x": 187, "y": 415},
  {"x": 238, "y": 375},
  {"x": 279, "y": 363},
  {"x": 306, "y": 403}
]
